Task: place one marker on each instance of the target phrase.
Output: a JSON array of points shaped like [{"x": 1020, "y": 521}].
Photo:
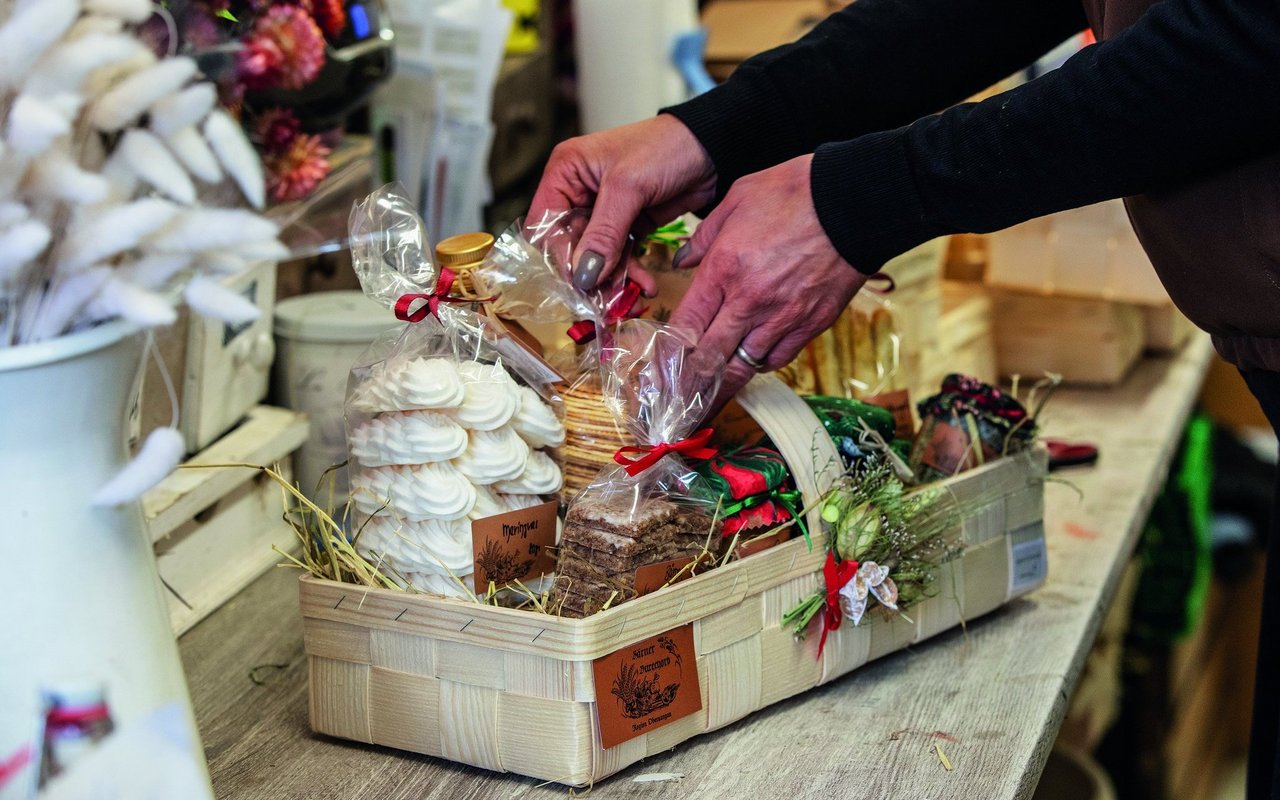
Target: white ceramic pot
[{"x": 79, "y": 591}]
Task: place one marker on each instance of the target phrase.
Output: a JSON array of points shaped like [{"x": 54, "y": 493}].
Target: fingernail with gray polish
[
  {"x": 680, "y": 255},
  {"x": 588, "y": 271}
]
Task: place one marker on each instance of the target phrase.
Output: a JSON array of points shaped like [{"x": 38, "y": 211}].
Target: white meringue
[
  {"x": 492, "y": 456},
  {"x": 490, "y": 397},
  {"x": 515, "y": 502},
  {"x": 431, "y": 545},
  {"x": 540, "y": 476},
  {"x": 425, "y": 491},
  {"x": 418, "y": 383},
  {"x": 412, "y": 437},
  {"x": 488, "y": 504},
  {"x": 536, "y": 422},
  {"x": 434, "y": 583}
]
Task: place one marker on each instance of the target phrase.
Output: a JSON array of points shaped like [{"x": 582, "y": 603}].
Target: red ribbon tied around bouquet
[
  {"x": 443, "y": 285},
  {"x": 622, "y": 307},
  {"x": 836, "y": 576},
  {"x": 696, "y": 446}
]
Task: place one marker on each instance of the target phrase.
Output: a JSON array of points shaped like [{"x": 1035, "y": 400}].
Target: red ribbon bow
[
  {"x": 696, "y": 446},
  {"x": 432, "y": 306},
  {"x": 837, "y": 575},
  {"x": 622, "y": 307}
]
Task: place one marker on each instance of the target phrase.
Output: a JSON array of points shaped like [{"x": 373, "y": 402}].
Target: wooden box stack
[
  {"x": 515, "y": 691},
  {"x": 214, "y": 528},
  {"x": 1090, "y": 262},
  {"x": 917, "y": 308}
]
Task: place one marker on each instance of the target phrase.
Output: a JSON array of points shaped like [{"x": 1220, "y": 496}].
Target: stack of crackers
[
  {"x": 614, "y": 549},
  {"x": 592, "y": 436}
]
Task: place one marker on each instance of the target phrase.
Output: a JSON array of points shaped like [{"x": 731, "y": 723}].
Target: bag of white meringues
[{"x": 448, "y": 423}]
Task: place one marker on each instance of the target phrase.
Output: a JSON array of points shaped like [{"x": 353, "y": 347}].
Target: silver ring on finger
[{"x": 748, "y": 359}]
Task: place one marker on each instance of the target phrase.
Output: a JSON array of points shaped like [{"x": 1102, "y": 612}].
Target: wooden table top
[{"x": 992, "y": 697}]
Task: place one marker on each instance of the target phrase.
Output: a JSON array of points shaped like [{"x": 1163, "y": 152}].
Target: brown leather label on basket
[
  {"x": 646, "y": 685},
  {"x": 515, "y": 546},
  {"x": 899, "y": 404},
  {"x": 652, "y": 577},
  {"x": 753, "y": 542}
]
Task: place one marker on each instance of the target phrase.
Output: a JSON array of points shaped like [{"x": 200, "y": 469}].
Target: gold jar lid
[{"x": 463, "y": 251}]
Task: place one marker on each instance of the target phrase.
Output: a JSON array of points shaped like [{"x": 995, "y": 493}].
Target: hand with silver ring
[
  {"x": 751, "y": 360},
  {"x": 768, "y": 279}
]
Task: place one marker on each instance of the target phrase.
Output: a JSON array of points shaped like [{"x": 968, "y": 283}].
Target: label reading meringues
[
  {"x": 514, "y": 546},
  {"x": 646, "y": 685}
]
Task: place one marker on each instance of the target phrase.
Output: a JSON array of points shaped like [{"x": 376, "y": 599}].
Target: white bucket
[{"x": 318, "y": 339}]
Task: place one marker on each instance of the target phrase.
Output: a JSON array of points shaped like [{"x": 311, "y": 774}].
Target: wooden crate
[
  {"x": 1088, "y": 252},
  {"x": 1085, "y": 341},
  {"x": 917, "y": 309},
  {"x": 514, "y": 691},
  {"x": 219, "y": 371},
  {"x": 214, "y": 528},
  {"x": 1165, "y": 328},
  {"x": 966, "y": 337}
]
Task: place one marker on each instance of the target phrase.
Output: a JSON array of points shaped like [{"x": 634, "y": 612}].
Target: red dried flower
[
  {"x": 331, "y": 15},
  {"x": 275, "y": 129},
  {"x": 295, "y": 173},
  {"x": 285, "y": 49}
]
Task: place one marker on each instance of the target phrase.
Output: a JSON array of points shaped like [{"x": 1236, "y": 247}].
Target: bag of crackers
[
  {"x": 528, "y": 276},
  {"x": 859, "y": 356},
  {"x": 449, "y": 422},
  {"x": 639, "y": 525}
]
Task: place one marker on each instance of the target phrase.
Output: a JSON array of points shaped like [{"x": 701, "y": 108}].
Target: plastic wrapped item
[
  {"x": 858, "y": 356},
  {"x": 527, "y": 275},
  {"x": 967, "y": 424},
  {"x": 447, "y": 418},
  {"x": 642, "y": 523}
]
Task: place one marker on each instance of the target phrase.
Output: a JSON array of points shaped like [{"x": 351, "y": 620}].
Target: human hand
[
  {"x": 769, "y": 280},
  {"x": 633, "y": 178}
]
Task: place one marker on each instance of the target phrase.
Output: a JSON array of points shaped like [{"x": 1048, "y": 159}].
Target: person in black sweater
[{"x": 820, "y": 160}]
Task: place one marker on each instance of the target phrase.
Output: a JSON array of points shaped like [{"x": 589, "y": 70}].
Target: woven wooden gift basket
[{"x": 513, "y": 691}]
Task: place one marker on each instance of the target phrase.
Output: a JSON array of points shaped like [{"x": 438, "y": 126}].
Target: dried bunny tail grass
[
  {"x": 94, "y": 237},
  {"x": 19, "y": 245},
  {"x": 194, "y": 153},
  {"x": 155, "y": 271},
  {"x": 237, "y": 155},
  {"x": 208, "y": 298},
  {"x": 34, "y": 124},
  {"x": 67, "y": 297},
  {"x": 66, "y": 67},
  {"x": 56, "y": 176},
  {"x": 33, "y": 29},
  {"x": 200, "y": 230},
  {"x": 125, "y": 102},
  {"x": 134, "y": 11},
  {"x": 117, "y": 298},
  {"x": 151, "y": 161},
  {"x": 91, "y": 24},
  {"x": 182, "y": 109},
  {"x": 160, "y": 455}
]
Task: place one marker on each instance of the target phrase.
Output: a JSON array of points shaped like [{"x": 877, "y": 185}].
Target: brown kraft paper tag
[
  {"x": 646, "y": 685},
  {"x": 899, "y": 404},
  {"x": 515, "y": 546}
]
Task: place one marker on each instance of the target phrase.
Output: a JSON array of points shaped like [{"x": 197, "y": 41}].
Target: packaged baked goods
[
  {"x": 448, "y": 418},
  {"x": 858, "y": 356},
  {"x": 527, "y": 276},
  {"x": 643, "y": 523}
]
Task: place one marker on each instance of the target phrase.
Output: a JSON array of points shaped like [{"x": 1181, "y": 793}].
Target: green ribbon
[{"x": 790, "y": 500}]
